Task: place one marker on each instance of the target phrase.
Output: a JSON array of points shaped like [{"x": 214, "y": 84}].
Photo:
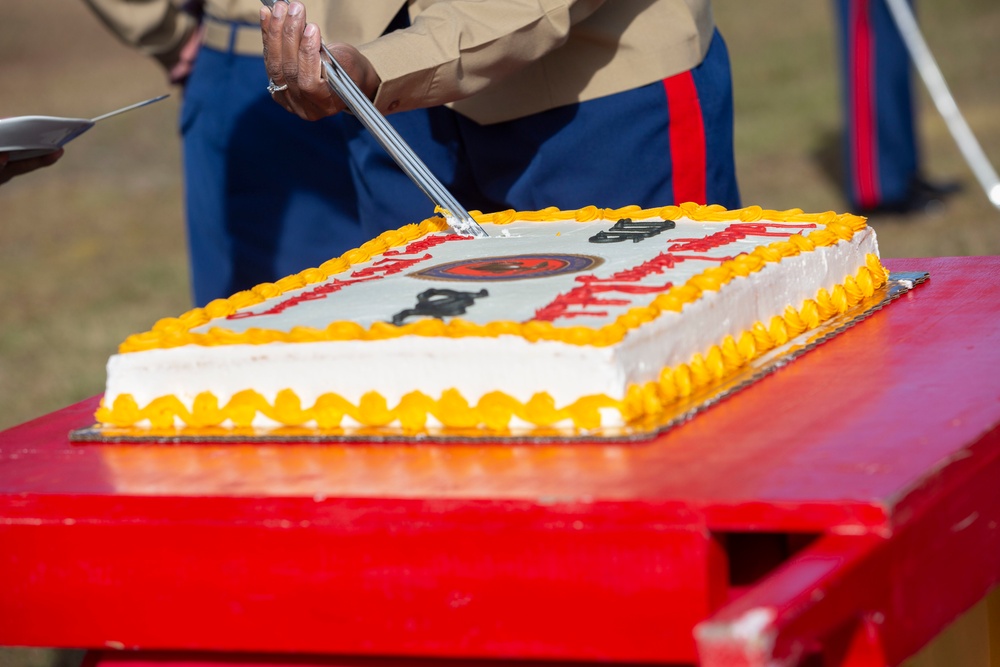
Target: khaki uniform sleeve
[
  {"x": 455, "y": 48},
  {"x": 157, "y": 28}
]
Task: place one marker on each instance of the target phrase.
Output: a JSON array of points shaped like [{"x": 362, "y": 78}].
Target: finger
[
  {"x": 16, "y": 168},
  {"x": 265, "y": 22},
  {"x": 292, "y": 29},
  {"x": 272, "y": 33},
  {"x": 271, "y": 24},
  {"x": 31, "y": 164},
  {"x": 317, "y": 98},
  {"x": 53, "y": 157},
  {"x": 292, "y": 25},
  {"x": 310, "y": 65}
]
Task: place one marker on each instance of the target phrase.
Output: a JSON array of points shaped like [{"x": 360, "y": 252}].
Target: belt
[{"x": 229, "y": 37}]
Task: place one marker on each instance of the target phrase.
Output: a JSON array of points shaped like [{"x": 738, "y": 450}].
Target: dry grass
[
  {"x": 93, "y": 248},
  {"x": 788, "y": 116}
]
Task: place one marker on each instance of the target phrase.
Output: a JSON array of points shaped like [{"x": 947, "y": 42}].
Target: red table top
[{"x": 853, "y": 437}]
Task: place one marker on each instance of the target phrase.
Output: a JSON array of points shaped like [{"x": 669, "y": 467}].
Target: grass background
[{"x": 93, "y": 248}]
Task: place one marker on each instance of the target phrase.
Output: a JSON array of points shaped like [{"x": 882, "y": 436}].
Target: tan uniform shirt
[
  {"x": 157, "y": 28},
  {"x": 492, "y": 60}
]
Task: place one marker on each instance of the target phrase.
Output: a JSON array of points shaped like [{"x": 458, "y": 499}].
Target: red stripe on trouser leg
[
  {"x": 864, "y": 156},
  {"x": 687, "y": 139}
]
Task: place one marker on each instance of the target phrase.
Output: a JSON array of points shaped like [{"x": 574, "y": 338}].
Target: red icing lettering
[
  {"x": 735, "y": 232},
  {"x": 425, "y": 244},
  {"x": 319, "y": 292},
  {"x": 387, "y": 267},
  {"x": 390, "y": 263},
  {"x": 585, "y": 297}
]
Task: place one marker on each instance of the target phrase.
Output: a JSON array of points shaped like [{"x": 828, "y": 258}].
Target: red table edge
[
  {"x": 840, "y": 569},
  {"x": 883, "y": 596}
]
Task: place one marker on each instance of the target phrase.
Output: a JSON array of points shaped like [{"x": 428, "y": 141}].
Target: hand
[
  {"x": 9, "y": 170},
  {"x": 292, "y": 58},
  {"x": 181, "y": 70}
]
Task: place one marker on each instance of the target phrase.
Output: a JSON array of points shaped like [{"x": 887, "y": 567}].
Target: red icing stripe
[
  {"x": 687, "y": 139},
  {"x": 864, "y": 138}
]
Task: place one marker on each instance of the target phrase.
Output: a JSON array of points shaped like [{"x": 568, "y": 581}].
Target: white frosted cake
[{"x": 575, "y": 319}]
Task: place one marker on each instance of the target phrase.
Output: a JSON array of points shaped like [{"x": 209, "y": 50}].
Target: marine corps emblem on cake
[{"x": 509, "y": 267}]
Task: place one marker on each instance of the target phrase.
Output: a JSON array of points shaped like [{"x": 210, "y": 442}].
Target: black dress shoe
[
  {"x": 941, "y": 189},
  {"x": 922, "y": 197}
]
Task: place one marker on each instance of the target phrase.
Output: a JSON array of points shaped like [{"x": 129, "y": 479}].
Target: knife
[{"x": 394, "y": 144}]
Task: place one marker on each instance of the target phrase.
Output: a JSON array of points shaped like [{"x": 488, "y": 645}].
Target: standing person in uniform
[
  {"x": 266, "y": 195},
  {"x": 881, "y": 151},
  {"x": 516, "y": 105}
]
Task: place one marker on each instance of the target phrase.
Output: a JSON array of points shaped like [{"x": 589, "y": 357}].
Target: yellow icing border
[
  {"x": 176, "y": 331},
  {"x": 495, "y": 410}
]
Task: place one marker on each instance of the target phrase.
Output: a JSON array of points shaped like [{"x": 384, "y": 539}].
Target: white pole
[{"x": 902, "y": 14}]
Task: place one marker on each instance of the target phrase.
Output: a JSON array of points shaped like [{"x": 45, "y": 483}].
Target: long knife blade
[
  {"x": 394, "y": 144},
  {"x": 130, "y": 107}
]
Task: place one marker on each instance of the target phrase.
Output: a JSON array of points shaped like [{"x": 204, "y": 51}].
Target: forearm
[{"x": 456, "y": 48}]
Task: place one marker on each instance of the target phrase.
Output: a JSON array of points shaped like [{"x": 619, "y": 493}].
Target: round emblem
[{"x": 509, "y": 267}]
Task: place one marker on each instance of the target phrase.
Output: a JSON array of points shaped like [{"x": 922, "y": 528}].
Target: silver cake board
[{"x": 674, "y": 414}]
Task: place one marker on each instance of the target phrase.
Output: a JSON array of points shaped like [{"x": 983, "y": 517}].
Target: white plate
[{"x": 30, "y": 136}]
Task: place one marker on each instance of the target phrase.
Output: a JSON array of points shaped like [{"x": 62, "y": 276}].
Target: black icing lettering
[
  {"x": 627, "y": 229},
  {"x": 439, "y": 303}
]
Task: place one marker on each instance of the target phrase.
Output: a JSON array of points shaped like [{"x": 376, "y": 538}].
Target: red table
[{"x": 846, "y": 505}]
